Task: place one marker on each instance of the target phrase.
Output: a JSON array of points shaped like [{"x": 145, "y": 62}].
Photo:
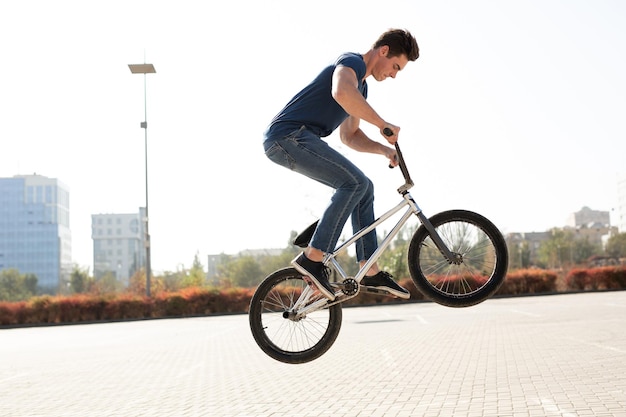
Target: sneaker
[
  {"x": 384, "y": 281},
  {"x": 317, "y": 272}
]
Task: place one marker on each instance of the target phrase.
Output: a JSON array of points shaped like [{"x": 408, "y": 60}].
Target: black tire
[
  {"x": 484, "y": 259},
  {"x": 283, "y": 338}
]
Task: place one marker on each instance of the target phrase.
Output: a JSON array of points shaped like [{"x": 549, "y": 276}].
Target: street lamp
[{"x": 145, "y": 69}]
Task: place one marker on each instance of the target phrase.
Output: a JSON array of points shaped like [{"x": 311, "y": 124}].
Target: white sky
[{"x": 515, "y": 109}]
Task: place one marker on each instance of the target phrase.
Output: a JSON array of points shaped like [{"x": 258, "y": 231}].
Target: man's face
[{"x": 388, "y": 67}]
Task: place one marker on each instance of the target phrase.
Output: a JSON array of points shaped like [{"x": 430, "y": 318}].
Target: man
[{"x": 337, "y": 98}]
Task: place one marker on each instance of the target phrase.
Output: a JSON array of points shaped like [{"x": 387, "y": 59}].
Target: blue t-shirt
[{"x": 314, "y": 106}]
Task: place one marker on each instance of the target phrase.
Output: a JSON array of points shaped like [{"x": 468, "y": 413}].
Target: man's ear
[{"x": 384, "y": 50}]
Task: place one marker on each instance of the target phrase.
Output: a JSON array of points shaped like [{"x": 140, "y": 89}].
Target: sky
[{"x": 515, "y": 110}]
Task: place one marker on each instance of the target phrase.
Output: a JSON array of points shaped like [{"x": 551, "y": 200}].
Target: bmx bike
[{"x": 456, "y": 258}]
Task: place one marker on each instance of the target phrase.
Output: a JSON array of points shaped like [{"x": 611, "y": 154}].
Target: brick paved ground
[{"x": 559, "y": 355}]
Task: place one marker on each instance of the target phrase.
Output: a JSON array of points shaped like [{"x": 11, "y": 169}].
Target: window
[{"x": 49, "y": 194}]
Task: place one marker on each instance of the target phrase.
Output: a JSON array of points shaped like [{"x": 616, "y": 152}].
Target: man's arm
[
  {"x": 355, "y": 138},
  {"x": 345, "y": 91}
]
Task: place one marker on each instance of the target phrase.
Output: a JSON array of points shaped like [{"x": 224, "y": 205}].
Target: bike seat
[{"x": 303, "y": 239}]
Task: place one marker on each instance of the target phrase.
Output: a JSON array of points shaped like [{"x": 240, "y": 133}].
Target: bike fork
[{"x": 452, "y": 258}]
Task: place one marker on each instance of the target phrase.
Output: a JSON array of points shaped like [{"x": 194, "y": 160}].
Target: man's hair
[{"x": 400, "y": 42}]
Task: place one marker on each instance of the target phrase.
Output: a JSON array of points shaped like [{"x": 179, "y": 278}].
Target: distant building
[
  {"x": 587, "y": 217},
  {"x": 213, "y": 262},
  {"x": 592, "y": 225},
  {"x": 524, "y": 247},
  {"x": 620, "y": 214},
  {"x": 259, "y": 253},
  {"x": 596, "y": 233},
  {"x": 118, "y": 244},
  {"x": 586, "y": 224},
  {"x": 35, "y": 235}
]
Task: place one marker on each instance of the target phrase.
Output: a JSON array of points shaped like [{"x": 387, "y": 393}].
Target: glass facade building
[{"x": 35, "y": 235}]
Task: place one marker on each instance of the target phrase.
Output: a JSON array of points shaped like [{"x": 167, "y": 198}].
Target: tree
[
  {"x": 107, "y": 284},
  {"x": 519, "y": 249},
  {"x": 17, "y": 287},
  {"x": 583, "y": 249},
  {"x": 80, "y": 281},
  {"x": 243, "y": 271},
  {"x": 172, "y": 281},
  {"x": 137, "y": 283},
  {"x": 616, "y": 246},
  {"x": 196, "y": 276},
  {"x": 247, "y": 272},
  {"x": 556, "y": 250},
  {"x": 563, "y": 248},
  {"x": 394, "y": 259},
  {"x": 269, "y": 264},
  {"x": 30, "y": 283}
]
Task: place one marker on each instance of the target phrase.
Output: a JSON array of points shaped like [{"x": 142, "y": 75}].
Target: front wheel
[
  {"x": 478, "y": 271},
  {"x": 278, "y": 326}
]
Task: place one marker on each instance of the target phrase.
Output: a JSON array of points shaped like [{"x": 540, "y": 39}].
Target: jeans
[{"x": 305, "y": 153}]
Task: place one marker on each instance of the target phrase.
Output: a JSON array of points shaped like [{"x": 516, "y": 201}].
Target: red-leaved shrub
[
  {"x": 603, "y": 278},
  {"x": 528, "y": 281}
]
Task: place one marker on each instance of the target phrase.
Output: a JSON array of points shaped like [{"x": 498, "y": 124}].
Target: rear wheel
[
  {"x": 277, "y": 328},
  {"x": 481, "y": 265}
]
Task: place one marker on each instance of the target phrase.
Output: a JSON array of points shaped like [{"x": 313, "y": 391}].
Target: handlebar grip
[
  {"x": 391, "y": 166},
  {"x": 388, "y": 132}
]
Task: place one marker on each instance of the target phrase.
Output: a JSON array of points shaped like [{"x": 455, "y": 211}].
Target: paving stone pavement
[{"x": 560, "y": 355}]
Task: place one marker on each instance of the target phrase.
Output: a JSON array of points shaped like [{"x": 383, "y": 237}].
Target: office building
[
  {"x": 118, "y": 245},
  {"x": 35, "y": 235}
]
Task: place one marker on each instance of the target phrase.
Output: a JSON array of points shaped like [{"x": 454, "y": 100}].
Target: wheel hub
[
  {"x": 291, "y": 315},
  {"x": 457, "y": 258}
]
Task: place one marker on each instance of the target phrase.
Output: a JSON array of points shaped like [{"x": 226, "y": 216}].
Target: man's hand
[
  {"x": 392, "y": 155},
  {"x": 395, "y": 131}
]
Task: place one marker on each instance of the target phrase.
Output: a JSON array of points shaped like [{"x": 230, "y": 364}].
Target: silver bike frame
[
  {"x": 412, "y": 209},
  {"x": 301, "y": 306}
]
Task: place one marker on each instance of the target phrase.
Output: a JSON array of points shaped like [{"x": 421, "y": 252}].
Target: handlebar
[{"x": 408, "y": 182}]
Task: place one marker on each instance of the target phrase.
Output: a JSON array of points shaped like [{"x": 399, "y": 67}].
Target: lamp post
[{"x": 145, "y": 69}]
